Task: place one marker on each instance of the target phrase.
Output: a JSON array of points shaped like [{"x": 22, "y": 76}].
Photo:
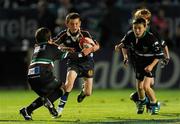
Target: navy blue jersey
[{"x": 72, "y": 40}]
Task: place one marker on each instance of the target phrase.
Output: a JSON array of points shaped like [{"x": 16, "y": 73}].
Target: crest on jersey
[
  {"x": 68, "y": 41},
  {"x": 145, "y": 49},
  {"x": 90, "y": 72}
]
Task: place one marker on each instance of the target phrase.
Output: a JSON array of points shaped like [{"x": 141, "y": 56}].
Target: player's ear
[{"x": 66, "y": 23}]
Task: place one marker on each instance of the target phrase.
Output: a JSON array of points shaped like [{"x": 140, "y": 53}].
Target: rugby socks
[
  {"x": 63, "y": 100},
  {"x": 39, "y": 101},
  {"x": 144, "y": 101},
  {"x": 35, "y": 104}
]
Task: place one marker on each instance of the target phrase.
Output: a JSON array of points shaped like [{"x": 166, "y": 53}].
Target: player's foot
[
  {"x": 59, "y": 110},
  {"x": 140, "y": 107},
  {"x": 25, "y": 114},
  {"x": 155, "y": 108},
  {"x": 81, "y": 97},
  {"x": 51, "y": 108}
]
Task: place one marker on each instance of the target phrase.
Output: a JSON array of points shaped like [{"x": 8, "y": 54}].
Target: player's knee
[
  {"x": 68, "y": 87},
  {"x": 146, "y": 88},
  {"x": 140, "y": 88}
]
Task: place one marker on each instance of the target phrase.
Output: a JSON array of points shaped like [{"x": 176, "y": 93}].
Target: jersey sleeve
[
  {"x": 87, "y": 34},
  {"x": 158, "y": 36},
  {"x": 156, "y": 48},
  {"x": 59, "y": 37},
  {"x": 126, "y": 40}
]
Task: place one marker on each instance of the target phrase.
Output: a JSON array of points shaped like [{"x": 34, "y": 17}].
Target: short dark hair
[
  {"x": 42, "y": 35},
  {"x": 139, "y": 21},
  {"x": 72, "y": 15}
]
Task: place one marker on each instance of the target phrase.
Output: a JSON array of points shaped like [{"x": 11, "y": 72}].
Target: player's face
[
  {"x": 74, "y": 25},
  {"x": 139, "y": 30}
]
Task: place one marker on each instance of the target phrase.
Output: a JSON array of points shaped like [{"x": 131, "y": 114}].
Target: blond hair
[{"x": 143, "y": 13}]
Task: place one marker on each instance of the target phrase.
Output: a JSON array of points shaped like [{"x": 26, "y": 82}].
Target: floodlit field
[{"x": 103, "y": 106}]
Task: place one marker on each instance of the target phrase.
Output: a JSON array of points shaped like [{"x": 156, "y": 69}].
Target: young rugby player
[
  {"x": 146, "y": 14},
  {"x": 82, "y": 67},
  {"x": 145, "y": 52}
]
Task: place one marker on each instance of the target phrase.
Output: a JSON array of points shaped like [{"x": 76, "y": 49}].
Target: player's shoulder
[
  {"x": 130, "y": 33},
  {"x": 150, "y": 34},
  {"x": 85, "y": 33},
  {"x": 62, "y": 33}
]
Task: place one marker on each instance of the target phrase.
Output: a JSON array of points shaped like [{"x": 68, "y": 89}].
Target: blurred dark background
[{"x": 106, "y": 20}]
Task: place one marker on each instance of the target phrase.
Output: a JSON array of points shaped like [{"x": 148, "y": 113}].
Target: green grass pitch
[{"x": 104, "y": 106}]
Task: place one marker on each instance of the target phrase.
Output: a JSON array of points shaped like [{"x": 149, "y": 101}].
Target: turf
[{"x": 104, "y": 106}]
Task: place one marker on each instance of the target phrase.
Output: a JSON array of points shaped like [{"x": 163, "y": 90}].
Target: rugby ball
[{"x": 86, "y": 42}]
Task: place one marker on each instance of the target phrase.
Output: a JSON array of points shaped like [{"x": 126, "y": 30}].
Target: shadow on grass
[
  {"x": 152, "y": 121},
  {"x": 39, "y": 121},
  {"x": 117, "y": 120},
  {"x": 114, "y": 120},
  {"x": 170, "y": 114}
]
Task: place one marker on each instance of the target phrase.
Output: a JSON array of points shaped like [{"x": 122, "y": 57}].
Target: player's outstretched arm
[
  {"x": 125, "y": 56},
  {"x": 61, "y": 47}
]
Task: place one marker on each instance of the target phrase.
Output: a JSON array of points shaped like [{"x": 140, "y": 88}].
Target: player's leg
[
  {"x": 48, "y": 92},
  {"x": 27, "y": 111},
  {"x": 70, "y": 79},
  {"x": 134, "y": 96},
  {"x": 142, "y": 97},
  {"x": 39, "y": 102},
  {"x": 87, "y": 89},
  {"x": 154, "y": 105}
]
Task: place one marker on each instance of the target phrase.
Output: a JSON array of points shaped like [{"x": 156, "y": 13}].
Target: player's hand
[
  {"x": 50, "y": 41},
  {"x": 148, "y": 68},
  {"x": 87, "y": 51},
  {"x": 125, "y": 61},
  {"x": 118, "y": 47},
  {"x": 164, "y": 62},
  {"x": 96, "y": 46}
]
